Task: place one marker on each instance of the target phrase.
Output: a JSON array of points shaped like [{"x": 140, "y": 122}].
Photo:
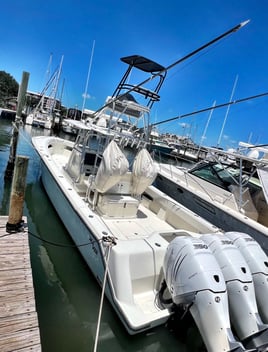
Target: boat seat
[
  {"x": 118, "y": 206},
  {"x": 124, "y": 186},
  {"x": 117, "y": 201}
]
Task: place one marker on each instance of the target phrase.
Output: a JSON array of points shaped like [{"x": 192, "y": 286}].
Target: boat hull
[
  {"x": 221, "y": 217},
  {"x": 93, "y": 253}
]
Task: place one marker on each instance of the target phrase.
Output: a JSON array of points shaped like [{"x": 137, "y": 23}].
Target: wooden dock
[{"x": 19, "y": 329}]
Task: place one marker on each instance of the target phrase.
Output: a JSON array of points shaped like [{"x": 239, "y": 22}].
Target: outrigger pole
[
  {"x": 232, "y": 30},
  {"x": 235, "y": 29},
  {"x": 211, "y": 108}
]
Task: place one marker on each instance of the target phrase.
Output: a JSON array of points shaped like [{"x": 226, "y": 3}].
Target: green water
[{"x": 67, "y": 295}]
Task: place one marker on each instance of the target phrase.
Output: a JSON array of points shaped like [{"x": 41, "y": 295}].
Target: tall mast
[
  {"x": 55, "y": 87},
  {"x": 88, "y": 75},
  {"x": 227, "y": 112},
  {"x": 206, "y": 127}
]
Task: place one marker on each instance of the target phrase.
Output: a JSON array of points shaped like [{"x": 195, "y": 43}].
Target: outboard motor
[
  {"x": 258, "y": 264},
  {"x": 245, "y": 319},
  {"x": 194, "y": 280}
]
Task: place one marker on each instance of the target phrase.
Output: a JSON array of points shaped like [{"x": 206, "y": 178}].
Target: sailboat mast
[
  {"x": 206, "y": 127},
  {"x": 52, "y": 102},
  {"x": 227, "y": 112},
  {"x": 88, "y": 75}
]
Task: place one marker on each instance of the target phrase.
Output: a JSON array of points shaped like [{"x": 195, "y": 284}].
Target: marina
[
  {"x": 152, "y": 257},
  {"x": 67, "y": 295},
  {"x": 158, "y": 263},
  {"x": 51, "y": 243},
  {"x": 134, "y": 177}
]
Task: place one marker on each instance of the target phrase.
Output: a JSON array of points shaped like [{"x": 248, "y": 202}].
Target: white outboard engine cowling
[
  {"x": 257, "y": 261},
  {"x": 194, "y": 279},
  {"x": 244, "y": 315}
]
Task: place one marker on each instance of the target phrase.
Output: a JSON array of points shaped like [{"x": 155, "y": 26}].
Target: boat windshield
[{"x": 216, "y": 174}]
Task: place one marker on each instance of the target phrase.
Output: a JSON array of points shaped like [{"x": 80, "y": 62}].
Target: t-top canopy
[{"x": 142, "y": 63}]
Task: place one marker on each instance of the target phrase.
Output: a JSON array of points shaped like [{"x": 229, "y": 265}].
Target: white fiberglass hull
[
  {"x": 141, "y": 235},
  {"x": 85, "y": 227},
  {"x": 215, "y": 212},
  {"x": 92, "y": 253}
]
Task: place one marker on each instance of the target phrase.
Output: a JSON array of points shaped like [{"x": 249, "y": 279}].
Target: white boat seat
[
  {"x": 124, "y": 186},
  {"x": 118, "y": 206}
]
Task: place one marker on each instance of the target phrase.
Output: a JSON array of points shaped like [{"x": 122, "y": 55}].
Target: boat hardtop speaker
[
  {"x": 257, "y": 261},
  {"x": 194, "y": 280},
  {"x": 244, "y": 315}
]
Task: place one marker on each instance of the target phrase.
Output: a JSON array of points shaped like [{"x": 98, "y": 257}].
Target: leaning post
[
  {"x": 15, "y": 222},
  {"x": 15, "y": 136}
]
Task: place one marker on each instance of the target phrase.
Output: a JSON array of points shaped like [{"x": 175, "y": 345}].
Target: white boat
[
  {"x": 227, "y": 189},
  {"x": 40, "y": 118},
  {"x": 45, "y": 114},
  {"x": 158, "y": 145},
  {"x": 146, "y": 250}
]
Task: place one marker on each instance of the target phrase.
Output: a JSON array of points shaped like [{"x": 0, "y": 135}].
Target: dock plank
[{"x": 19, "y": 328}]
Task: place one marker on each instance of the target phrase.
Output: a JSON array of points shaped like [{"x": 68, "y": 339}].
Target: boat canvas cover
[
  {"x": 263, "y": 177},
  {"x": 114, "y": 164},
  {"x": 144, "y": 172}
]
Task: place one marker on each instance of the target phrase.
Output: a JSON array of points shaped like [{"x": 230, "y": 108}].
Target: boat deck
[
  {"x": 19, "y": 329},
  {"x": 142, "y": 226}
]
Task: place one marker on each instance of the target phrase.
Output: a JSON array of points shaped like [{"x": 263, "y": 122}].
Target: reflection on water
[{"x": 67, "y": 295}]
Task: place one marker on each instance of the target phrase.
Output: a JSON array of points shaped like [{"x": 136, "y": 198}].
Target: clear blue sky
[{"x": 163, "y": 31}]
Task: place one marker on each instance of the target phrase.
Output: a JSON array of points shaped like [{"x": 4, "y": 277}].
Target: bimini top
[{"x": 142, "y": 63}]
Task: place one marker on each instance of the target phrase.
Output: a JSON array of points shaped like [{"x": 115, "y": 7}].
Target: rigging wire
[{"x": 211, "y": 108}]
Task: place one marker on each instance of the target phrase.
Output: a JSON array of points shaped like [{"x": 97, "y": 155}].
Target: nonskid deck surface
[{"x": 145, "y": 224}]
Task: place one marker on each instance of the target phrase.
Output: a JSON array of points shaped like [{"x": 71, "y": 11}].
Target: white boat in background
[
  {"x": 147, "y": 251},
  {"x": 45, "y": 114},
  {"x": 229, "y": 189},
  {"x": 40, "y": 118},
  {"x": 158, "y": 145}
]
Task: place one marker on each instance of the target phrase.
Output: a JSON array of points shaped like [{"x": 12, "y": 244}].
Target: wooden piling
[
  {"x": 14, "y": 141},
  {"x": 15, "y": 222}
]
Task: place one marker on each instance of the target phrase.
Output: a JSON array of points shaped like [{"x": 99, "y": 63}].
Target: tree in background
[{"x": 8, "y": 88}]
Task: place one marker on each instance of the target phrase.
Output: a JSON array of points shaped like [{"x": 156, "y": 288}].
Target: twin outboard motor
[
  {"x": 244, "y": 315},
  {"x": 258, "y": 264},
  {"x": 195, "y": 280},
  {"x": 223, "y": 280}
]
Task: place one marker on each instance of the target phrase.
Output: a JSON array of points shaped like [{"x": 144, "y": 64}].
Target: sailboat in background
[
  {"x": 75, "y": 114},
  {"x": 46, "y": 114}
]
